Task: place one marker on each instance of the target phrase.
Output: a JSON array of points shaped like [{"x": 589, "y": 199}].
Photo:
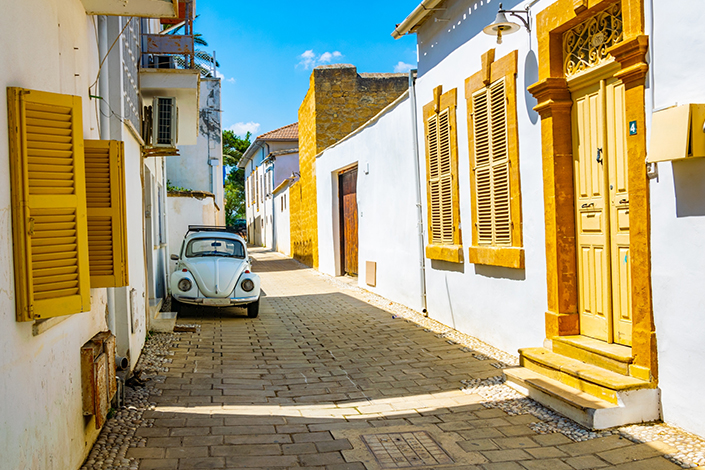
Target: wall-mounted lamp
[{"x": 501, "y": 25}]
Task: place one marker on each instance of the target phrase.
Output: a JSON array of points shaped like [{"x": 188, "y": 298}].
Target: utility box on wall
[
  {"x": 677, "y": 133},
  {"x": 98, "y": 376}
]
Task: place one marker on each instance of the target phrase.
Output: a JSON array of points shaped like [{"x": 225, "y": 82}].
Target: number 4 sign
[{"x": 632, "y": 127}]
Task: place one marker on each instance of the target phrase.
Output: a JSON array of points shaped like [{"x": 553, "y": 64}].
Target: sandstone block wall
[{"x": 339, "y": 100}]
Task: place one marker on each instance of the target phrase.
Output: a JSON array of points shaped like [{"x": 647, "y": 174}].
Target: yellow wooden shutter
[
  {"x": 434, "y": 180},
  {"x": 494, "y": 226},
  {"x": 500, "y": 166},
  {"x": 105, "y": 199},
  {"x": 440, "y": 178},
  {"x": 48, "y": 204},
  {"x": 446, "y": 177},
  {"x": 483, "y": 188}
]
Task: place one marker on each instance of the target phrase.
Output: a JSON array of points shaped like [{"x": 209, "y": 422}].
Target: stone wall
[{"x": 339, "y": 100}]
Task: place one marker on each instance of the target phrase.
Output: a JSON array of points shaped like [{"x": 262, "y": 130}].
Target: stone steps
[
  {"x": 635, "y": 405},
  {"x": 613, "y": 357}
]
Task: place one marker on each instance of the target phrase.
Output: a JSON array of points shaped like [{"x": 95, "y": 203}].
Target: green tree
[{"x": 234, "y": 185}]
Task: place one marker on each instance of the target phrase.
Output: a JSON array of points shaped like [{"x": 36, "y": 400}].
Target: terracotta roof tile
[{"x": 290, "y": 132}]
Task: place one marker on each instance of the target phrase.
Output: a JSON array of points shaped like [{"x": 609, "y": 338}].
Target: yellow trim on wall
[
  {"x": 492, "y": 71},
  {"x": 554, "y": 106},
  {"x": 442, "y": 102}
]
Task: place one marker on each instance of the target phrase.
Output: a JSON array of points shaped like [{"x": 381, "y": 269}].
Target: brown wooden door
[{"x": 347, "y": 184}]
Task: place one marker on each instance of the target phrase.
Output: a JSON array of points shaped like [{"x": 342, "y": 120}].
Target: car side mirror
[{"x": 174, "y": 257}]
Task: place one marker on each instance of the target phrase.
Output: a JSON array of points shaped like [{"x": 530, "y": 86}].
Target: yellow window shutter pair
[
  {"x": 492, "y": 190},
  {"x": 107, "y": 221},
  {"x": 49, "y": 213},
  {"x": 440, "y": 178}
]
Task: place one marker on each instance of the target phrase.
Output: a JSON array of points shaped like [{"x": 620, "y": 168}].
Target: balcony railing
[{"x": 171, "y": 51}]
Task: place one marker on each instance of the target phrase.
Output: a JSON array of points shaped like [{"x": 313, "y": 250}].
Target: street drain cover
[{"x": 406, "y": 449}]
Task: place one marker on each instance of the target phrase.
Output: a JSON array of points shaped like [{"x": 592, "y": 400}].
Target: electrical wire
[{"x": 100, "y": 67}]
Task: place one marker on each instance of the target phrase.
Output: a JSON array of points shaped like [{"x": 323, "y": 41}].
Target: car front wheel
[{"x": 253, "y": 309}]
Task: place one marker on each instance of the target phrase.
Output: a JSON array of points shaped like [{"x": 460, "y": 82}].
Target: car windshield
[{"x": 215, "y": 247}]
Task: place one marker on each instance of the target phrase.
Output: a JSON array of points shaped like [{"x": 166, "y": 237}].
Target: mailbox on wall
[{"x": 677, "y": 133}]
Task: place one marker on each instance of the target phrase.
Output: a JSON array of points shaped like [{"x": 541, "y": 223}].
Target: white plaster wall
[
  {"x": 386, "y": 199},
  {"x": 504, "y": 307},
  {"x": 678, "y": 219},
  {"x": 185, "y": 211},
  {"x": 128, "y": 314},
  {"x": 281, "y": 222},
  {"x": 284, "y": 166},
  {"x": 41, "y": 421},
  {"x": 158, "y": 249},
  {"x": 191, "y": 169}
]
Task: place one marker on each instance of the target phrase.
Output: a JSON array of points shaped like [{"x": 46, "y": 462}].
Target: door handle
[
  {"x": 31, "y": 226},
  {"x": 586, "y": 205},
  {"x": 624, "y": 201},
  {"x": 599, "y": 155}
]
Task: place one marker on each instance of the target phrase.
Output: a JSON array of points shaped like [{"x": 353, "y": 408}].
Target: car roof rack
[{"x": 210, "y": 228}]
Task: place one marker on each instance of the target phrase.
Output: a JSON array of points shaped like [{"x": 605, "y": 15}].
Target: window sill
[
  {"x": 450, "y": 253},
  {"x": 508, "y": 257},
  {"x": 40, "y": 326}
]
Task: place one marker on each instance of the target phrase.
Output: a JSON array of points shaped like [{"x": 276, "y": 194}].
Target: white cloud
[
  {"x": 310, "y": 59},
  {"x": 403, "y": 67},
  {"x": 218, "y": 74},
  {"x": 242, "y": 128}
]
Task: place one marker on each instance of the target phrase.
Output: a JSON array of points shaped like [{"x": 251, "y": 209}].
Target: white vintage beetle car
[{"x": 214, "y": 269}]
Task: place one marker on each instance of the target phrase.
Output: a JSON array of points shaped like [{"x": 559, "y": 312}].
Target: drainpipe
[
  {"x": 104, "y": 118},
  {"x": 419, "y": 206}
]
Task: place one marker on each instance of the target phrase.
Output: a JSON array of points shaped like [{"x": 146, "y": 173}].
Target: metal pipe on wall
[
  {"x": 104, "y": 119},
  {"x": 419, "y": 206}
]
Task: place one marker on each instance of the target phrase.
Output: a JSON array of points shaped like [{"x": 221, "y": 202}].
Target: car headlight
[
  {"x": 247, "y": 285},
  {"x": 185, "y": 285}
]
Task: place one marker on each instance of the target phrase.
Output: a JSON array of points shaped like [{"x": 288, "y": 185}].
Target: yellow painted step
[
  {"x": 612, "y": 357},
  {"x": 596, "y": 381},
  {"x": 581, "y": 400}
]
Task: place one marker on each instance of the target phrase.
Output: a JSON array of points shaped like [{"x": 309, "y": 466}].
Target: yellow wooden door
[
  {"x": 592, "y": 214},
  {"x": 602, "y": 225},
  {"x": 616, "y": 131}
]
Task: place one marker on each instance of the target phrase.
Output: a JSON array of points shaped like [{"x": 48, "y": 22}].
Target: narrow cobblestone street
[{"x": 324, "y": 380}]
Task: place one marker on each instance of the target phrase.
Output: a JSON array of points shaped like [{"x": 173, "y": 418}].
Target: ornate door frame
[{"x": 554, "y": 106}]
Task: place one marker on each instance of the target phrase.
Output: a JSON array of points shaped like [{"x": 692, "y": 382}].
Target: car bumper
[{"x": 226, "y": 302}]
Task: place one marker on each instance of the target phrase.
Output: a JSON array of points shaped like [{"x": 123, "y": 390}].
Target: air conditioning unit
[
  {"x": 164, "y": 62},
  {"x": 164, "y": 122}
]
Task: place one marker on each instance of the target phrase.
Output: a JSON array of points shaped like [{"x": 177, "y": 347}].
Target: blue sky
[{"x": 266, "y": 53}]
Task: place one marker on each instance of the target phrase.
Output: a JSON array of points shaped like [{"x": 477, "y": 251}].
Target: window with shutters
[
  {"x": 49, "y": 220},
  {"x": 444, "y": 237},
  {"x": 494, "y": 163},
  {"x": 107, "y": 220}
]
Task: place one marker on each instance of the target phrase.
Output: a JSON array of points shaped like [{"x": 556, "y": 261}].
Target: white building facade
[
  {"x": 196, "y": 175},
  {"x": 560, "y": 195},
  {"x": 75, "y": 236},
  {"x": 271, "y": 158},
  {"x": 390, "y": 252}
]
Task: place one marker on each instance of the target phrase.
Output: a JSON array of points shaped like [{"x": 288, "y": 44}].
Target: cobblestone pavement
[{"x": 325, "y": 380}]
